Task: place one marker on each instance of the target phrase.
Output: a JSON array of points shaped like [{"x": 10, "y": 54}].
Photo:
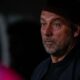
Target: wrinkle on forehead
[{"x": 49, "y": 15}]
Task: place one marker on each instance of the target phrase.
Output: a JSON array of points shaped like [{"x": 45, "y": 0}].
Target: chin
[
  {"x": 56, "y": 53},
  {"x": 51, "y": 52}
]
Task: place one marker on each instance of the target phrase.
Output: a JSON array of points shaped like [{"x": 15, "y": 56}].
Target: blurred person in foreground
[
  {"x": 9, "y": 74},
  {"x": 60, "y": 36}
]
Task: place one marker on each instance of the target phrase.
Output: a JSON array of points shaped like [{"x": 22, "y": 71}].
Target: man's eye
[
  {"x": 56, "y": 25},
  {"x": 43, "y": 24}
]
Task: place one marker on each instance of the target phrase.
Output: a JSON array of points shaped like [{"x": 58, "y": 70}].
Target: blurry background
[{"x": 20, "y": 40}]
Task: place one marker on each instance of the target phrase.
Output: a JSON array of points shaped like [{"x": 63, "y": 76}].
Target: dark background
[
  {"x": 27, "y": 8},
  {"x": 26, "y": 49}
]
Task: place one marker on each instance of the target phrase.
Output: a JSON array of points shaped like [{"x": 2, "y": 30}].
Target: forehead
[{"x": 49, "y": 15}]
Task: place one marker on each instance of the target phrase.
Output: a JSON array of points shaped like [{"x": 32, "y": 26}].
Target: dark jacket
[{"x": 71, "y": 72}]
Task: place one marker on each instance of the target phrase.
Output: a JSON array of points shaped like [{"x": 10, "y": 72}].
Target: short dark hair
[{"x": 69, "y": 9}]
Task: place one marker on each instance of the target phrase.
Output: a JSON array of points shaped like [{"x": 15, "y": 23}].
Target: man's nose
[{"x": 48, "y": 31}]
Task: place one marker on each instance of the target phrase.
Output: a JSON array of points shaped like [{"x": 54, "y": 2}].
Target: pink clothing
[{"x": 9, "y": 74}]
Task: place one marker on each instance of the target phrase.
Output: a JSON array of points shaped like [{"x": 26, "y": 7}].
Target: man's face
[{"x": 56, "y": 32}]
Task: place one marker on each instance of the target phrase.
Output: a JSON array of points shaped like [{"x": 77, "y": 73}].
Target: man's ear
[{"x": 77, "y": 31}]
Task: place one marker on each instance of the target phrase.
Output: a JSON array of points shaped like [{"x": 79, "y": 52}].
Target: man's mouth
[{"x": 48, "y": 42}]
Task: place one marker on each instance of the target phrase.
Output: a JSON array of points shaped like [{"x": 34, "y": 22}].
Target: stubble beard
[{"x": 55, "y": 50}]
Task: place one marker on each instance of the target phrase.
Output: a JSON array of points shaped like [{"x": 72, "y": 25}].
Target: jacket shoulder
[{"x": 40, "y": 69}]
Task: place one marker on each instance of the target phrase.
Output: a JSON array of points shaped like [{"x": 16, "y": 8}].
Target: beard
[{"x": 55, "y": 48}]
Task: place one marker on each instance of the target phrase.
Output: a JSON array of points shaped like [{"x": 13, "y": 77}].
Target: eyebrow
[
  {"x": 60, "y": 19},
  {"x": 54, "y": 19}
]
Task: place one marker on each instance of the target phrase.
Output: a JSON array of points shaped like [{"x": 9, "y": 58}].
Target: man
[{"x": 60, "y": 33}]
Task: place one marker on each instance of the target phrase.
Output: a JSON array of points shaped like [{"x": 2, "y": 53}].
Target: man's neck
[{"x": 57, "y": 59}]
